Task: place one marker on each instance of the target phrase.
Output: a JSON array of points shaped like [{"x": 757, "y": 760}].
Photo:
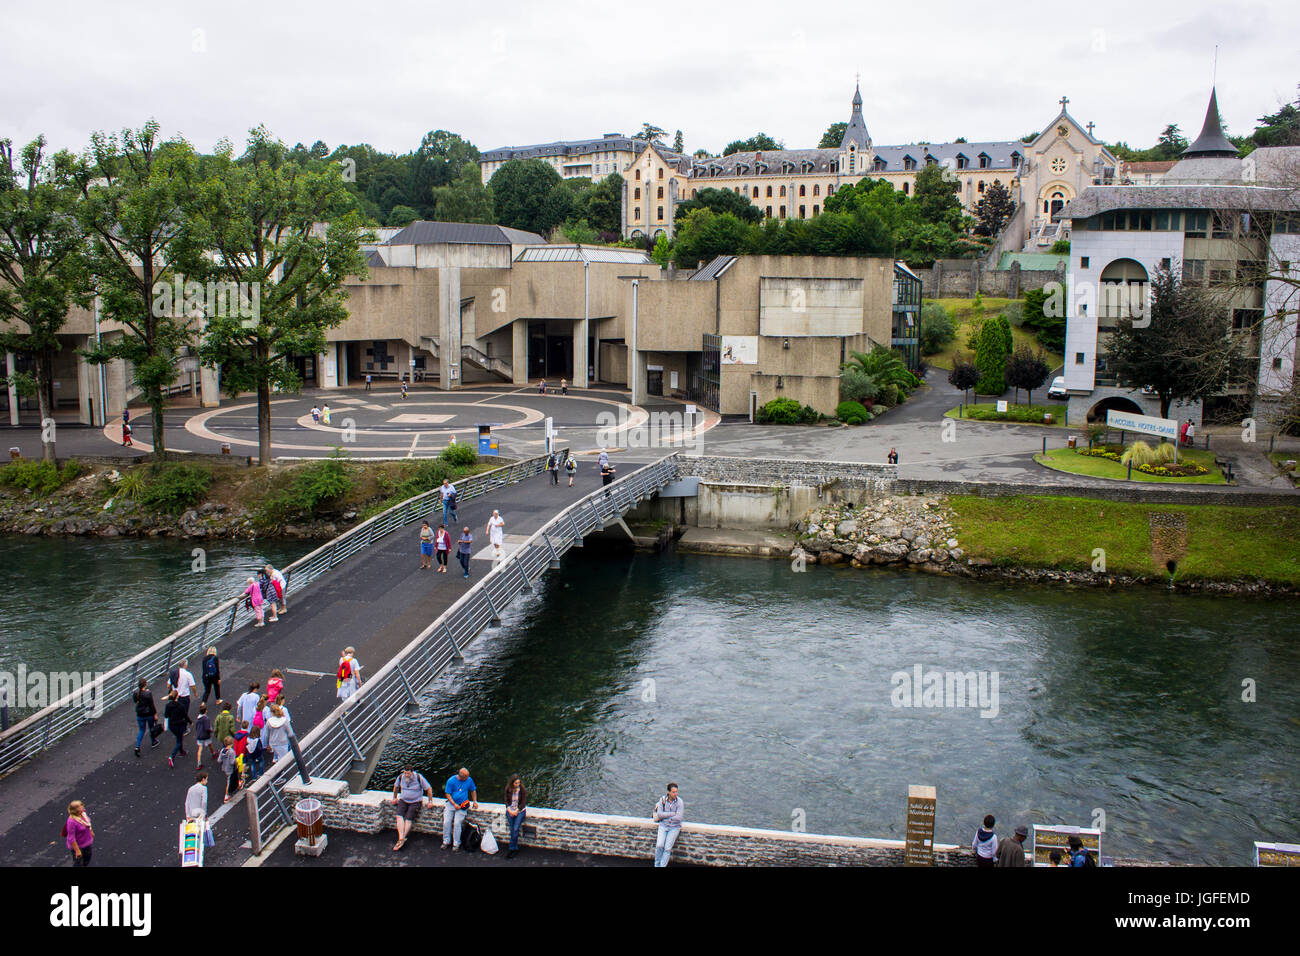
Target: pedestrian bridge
[{"x": 364, "y": 589}]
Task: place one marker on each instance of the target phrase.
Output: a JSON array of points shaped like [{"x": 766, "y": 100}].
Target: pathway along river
[{"x": 767, "y": 694}]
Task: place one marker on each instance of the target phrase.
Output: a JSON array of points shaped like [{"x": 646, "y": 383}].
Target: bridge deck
[{"x": 376, "y": 602}]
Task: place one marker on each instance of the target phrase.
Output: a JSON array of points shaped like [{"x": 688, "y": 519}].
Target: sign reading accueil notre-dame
[{"x": 919, "y": 849}]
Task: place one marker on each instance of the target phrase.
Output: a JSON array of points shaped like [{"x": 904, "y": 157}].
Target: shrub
[
  {"x": 459, "y": 455},
  {"x": 857, "y": 386},
  {"x": 1061, "y": 247},
  {"x": 809, "y": 415},
  {"x": 1029, "y": 414},
  {"x": 424, "y": 476},
  {"x": 1014, "y": 313},
  {"x": 1165, "y": 452},
  {"x": 39, "y": 477},
  {"x": 851, "y": 413},
  {"x": 1095, "y": 432},
  {"x": 311, "y": 485},
  {"x": 175, "y": 487},
  {"x": 991, "y": 359},
  {"x": 779, "y": 411},
  {"x": 938, "y": 328},
  {"x": 1139, "y": 453}
]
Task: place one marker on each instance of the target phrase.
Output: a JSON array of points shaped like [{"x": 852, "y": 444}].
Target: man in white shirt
[
  {"x": 182, "y": 681},
  {"x": 196, "y": 798}
]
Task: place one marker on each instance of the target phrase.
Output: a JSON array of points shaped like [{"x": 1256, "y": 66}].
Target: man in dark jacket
[
  {"x": 1012, "y": 852},
  {"x": 178, "y": 722},
  {"x": 146, "y": 715}
]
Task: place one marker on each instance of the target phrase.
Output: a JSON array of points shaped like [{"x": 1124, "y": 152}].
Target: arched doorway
[
  {"x": 1114, "y": 403},
  {"x": 1053, "y": 199},
  {"x": 1123, "y": 292}
]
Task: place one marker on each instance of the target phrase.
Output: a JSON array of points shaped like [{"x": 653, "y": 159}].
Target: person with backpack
[
  {"x": 461, "y": 793},
  {"x": 146, "y": 715},
  {"x": 211, "y": 674},
  {"x": 1079, "y": 856},
  {"x": 228, "y": 758},
  {"x": 553, "y": 468},
  {"x": 203, "y": 735},
  {"x": 411, "y": 794},
  {"x": 985, "y": 844},
  {"x": 254, "y": 753},
  {"x": 78, "y": 834},
  {"x": 268, "y": 594},
  {"x": 349, "y": 675},
  {"x": 570, "y": 468},
  {"x": 516, "y": 802},
  {"x": 177, "y": 717},
  {"x": 279, "y": 589},
  {"x": 442, "y": 547},
  {"x": 669, "y": 813}
]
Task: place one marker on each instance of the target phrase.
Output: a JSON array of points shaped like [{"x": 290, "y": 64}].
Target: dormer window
[
  {"x": 985, "y": 161},
  {"x": 930, "y": 160},
  {"x": 1015, "y": 159},
  {"x": 909, "y": 163},
  {"x": 963, "y": 162},
  {"x": 878, "y": 164},
  {"x": 834, "y": 166}
]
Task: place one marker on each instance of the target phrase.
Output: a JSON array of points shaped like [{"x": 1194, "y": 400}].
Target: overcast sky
[{"x": 513, "y": 73}]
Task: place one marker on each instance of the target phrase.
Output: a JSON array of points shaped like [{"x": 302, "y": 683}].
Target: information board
[
  {"x": 919, "y": 848},
  {"x": 1142, "y": 424},
  {"x": 1277, "y": 854},
  {"x": 1047, "y": 839}
]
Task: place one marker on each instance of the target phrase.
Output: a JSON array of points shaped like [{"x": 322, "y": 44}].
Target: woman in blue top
[{"x": 463, "y": 548}]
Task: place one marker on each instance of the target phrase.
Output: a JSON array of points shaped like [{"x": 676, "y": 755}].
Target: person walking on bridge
[
  {"x": 146, "y": 715},
  {"x": 411, "y": 794},
  {"x": 177, "y": 716},
  {"x": 211, "y": 674},
  {"x": 253, "y": 599},
  {"x": 279, "y": 729},
  {"x": 442, "y": 546},
  {"x": 349, "y": 674},
  {"x": 426, "y": 545},
  {"x": 79, "y": 834},
  {"x": 496, "y": 532},
  {"x": 181, "y": 681},
  {"x": 275, "y": 686},
  {"x": 196, "y": 797},
  {"x": 279, "y": 589},
  {"x": 570, "y": 468},
  {"x": 464, "y": 548},
  {"x": 268, "y": 593},
  {"x": 246, "y": 706},
  {"x": 448, "y": 494},
  {"x": 462, "y": 796}
]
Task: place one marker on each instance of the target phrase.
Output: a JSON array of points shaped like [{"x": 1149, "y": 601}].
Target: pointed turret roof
[
  {"x": 856, "y": 131},
  {"x": 1211, "y": 142}
]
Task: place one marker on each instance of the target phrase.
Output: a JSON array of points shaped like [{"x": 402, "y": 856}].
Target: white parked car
[{"x": 1058, "y": 388}]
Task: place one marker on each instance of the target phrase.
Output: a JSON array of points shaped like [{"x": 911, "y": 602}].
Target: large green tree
[
  {"x": 1182, "y": 347},
  {"x": 440, "y": 158},
  {"x": 935, "y": 196},
  {"x": 833, "y": 136},
  {"x": 604, "y": 205},
  {"x": 464, "y": 199},
  {"x": 138, "y": 206},
  {"x": 720, "y": 201},
  {"x": 756, "y": 143},
  {"x": 994, "y": 210},
  {"x": 42, "y": 264},
  {"x": 260, "y": 218},
  {"x": 519, "y": 192},
  {"x": 991, "y": 360}
]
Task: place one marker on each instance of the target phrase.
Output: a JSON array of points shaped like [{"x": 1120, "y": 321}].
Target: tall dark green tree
[
  {"x": 994, "y": 210},
  {"x": 464, "y": 199},
  {"x": 259, "y": 218},
  {"x": 755, "y": 143},
  {"x": 936, "y": 196},
  {"x": 519, "y": 192},
  {"x": 991, "y": 360},
  {"x": 679, "y": 142},
  {"x": 138, "y": 206},
  {"x": 42, "y": 264},
  {"x": 604, "y": 205},
  {"x": 651, "y": 132}
]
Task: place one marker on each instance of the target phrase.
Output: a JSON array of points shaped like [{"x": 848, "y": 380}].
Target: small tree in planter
[{"x": 964, "y": 375}]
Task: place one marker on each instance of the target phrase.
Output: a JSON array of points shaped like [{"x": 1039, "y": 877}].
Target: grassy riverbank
[
  {"x": 1221, "y": 543},
  {"x": 304, "y": 499}
]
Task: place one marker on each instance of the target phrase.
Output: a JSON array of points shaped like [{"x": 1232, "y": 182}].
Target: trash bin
[
  {"x": 1072, "y": 440},
  {"x": 310, "y": 817},
  {"x": 1047, "y": 418},
  {"x": 225, "y": 448},
  {"x": 15, "y": 452}
]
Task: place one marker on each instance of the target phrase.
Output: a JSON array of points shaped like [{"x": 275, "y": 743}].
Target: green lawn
[
  {"x": 1016, "y": 414},
  {"x": 1223, "y": 543},
  {"x": 1070, "y": 461},
  {"x": 962, "y": 312}
]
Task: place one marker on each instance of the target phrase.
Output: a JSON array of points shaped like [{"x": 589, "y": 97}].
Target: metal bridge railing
[
  {"x": 65, "y": 716},
  {"x": 338, "y": 744}
]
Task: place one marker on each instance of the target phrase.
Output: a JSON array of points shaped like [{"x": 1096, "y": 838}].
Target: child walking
[{"x": 228, "y": 759}]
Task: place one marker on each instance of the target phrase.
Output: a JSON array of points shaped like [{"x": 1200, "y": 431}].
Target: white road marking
[
  {"x": 292, "y": 670},
  {"x": 414, "y": 442}
]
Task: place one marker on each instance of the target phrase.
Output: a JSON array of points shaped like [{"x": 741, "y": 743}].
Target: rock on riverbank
[{"x": 914, "y": 530}]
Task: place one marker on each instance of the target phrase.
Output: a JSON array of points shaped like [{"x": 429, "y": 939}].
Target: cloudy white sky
[{"x": 512, "y": 73}]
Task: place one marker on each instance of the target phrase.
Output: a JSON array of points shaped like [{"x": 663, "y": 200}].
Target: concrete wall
[{"x": 572, "y": 831}]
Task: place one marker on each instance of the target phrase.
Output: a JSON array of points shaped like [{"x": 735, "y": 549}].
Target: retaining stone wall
[
  {"x": 629, "y": 837},
  {"x": 787, "y": 471}
]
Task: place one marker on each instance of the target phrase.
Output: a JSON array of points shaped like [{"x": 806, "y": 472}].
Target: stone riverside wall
[
  {"x": 880, "y": 479},
  {"x": 571, "y": 831},
  {"x": 962, "y": 278}
]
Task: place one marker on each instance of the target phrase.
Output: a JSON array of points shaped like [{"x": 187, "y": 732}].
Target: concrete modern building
[
  {"x": 1221, "y": 221},
  {"x": 1042, "y": 175}
]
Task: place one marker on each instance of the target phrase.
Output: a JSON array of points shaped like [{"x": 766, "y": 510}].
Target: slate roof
[
  {"x": 1099, "y": 199},
  {"x": 1211, "y": 142},
  {"x": 564, "y": 147},
  {"x": 423, "y": 233},
  {"x": 894, "y": 159}
]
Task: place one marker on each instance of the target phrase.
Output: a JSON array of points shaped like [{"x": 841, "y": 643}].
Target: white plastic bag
[{"x": 489, "y": 844}]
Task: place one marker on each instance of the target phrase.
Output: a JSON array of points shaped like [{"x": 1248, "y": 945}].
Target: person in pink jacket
[
  {"x": 253, "y": 594},
  {"x": 79, "y": 834}
]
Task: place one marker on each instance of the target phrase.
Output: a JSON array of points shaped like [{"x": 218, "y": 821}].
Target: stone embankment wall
[
  {"x": 962, "y": 278},
  {"x": 572, "y": 831}
]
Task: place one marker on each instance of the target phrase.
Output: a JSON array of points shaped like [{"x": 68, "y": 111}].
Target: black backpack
[{"x": 471, "y": 837}]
